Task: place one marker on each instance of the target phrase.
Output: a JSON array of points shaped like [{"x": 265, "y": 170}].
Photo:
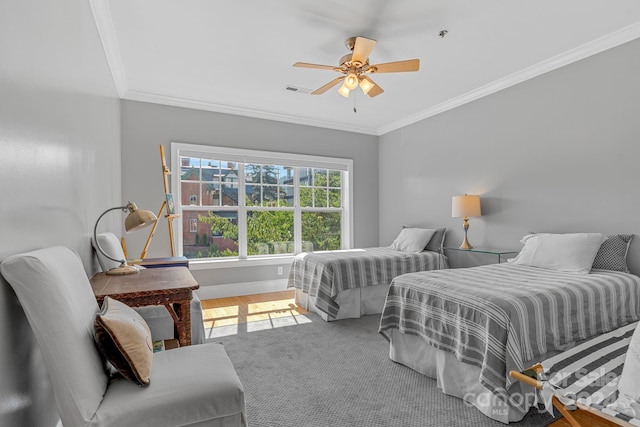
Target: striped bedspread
[
  {"x": 589, "y": 372},
  {"x": 324, "y": 274},
  {"x": 499, "y": 316}
]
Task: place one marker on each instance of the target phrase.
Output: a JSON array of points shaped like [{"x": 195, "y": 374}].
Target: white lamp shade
[
  {"x": 465, "y": 206},
  {"x": 344, "y": 90},
  {"x": 366, "y": 84},
  {"x": 351, "y": 81}
]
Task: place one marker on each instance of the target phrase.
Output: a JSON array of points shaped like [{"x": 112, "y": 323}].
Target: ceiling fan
[{"x": 355, "y": 67}]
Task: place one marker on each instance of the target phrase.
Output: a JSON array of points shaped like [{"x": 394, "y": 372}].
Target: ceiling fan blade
[
  {"x": 395, "y": 67},
  {"x": 317, "y": 66},
  {"x": 375, "y": 90},
  {"x": 328, "y": 86},
  {"x": 362, "y": 49}
]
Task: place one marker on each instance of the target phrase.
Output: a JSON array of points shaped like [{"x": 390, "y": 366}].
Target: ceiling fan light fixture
[
  {"x": 351, "y": 82},
  {"x": 366, "y": 85},
  {"x": 344, "y": 90}
]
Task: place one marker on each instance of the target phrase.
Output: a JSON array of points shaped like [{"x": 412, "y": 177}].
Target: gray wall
[
  {"x": 59, "y": 168},
  {"x": 146, "y": 126},
  {"x": 558, "y": 153}
]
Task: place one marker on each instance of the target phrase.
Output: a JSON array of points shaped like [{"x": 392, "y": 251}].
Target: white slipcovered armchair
[{"x": 189, "y": 386}]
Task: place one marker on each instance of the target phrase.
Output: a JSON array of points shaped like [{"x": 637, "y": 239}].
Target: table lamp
[
  {"x": 136, "y": 220},
  {"x": 464, "y": 207}
]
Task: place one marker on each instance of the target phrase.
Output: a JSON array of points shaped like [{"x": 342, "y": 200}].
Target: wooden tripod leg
[
  {"x": 170, "y": 225},
  {"x": 143, "y": 254}
]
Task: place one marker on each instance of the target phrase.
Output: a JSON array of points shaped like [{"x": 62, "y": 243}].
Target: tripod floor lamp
[{"x": 136, "y": 220}]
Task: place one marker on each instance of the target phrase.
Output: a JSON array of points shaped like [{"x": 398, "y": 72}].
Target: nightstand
[{"x": 500, "y": 253}]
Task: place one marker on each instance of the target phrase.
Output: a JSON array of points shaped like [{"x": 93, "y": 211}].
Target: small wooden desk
[{"x": 171, "y": 287}]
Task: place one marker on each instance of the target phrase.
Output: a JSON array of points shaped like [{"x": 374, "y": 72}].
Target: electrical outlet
[{"x": 279, "y": 271}]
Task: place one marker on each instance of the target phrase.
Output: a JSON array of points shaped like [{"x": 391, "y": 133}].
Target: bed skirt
[
  {"x": 460, "y": 379},
  {"x": 353, "y": 302}
]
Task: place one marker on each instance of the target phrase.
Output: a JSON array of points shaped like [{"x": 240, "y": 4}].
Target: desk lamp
[
  {"x": 464, "y": 207},
  {"x": 136, "y": 220}
]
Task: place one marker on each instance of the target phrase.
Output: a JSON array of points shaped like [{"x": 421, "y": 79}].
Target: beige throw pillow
[{"x": 124, "y": 338}]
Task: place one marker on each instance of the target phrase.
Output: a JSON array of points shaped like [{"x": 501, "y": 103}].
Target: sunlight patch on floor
[{"x": 251, "y": 313}]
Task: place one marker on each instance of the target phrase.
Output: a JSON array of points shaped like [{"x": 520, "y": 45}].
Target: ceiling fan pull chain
[{"x": 355, "y": 94}]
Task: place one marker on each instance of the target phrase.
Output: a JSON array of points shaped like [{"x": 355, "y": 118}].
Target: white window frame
[{"x": 245, "y": 156}]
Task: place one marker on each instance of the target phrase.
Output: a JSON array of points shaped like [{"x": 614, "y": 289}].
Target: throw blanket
[
  {"x": 324, "y": 274},
  {"x": 498, "y": 316},
  {"x": 589, "y": 373}
]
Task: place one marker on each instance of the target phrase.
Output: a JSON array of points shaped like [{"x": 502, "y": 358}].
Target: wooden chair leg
[{"x": 565, "y": 413}]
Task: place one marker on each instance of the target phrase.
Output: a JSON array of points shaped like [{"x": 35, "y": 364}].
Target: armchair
[{"x": 189, "y": 386}]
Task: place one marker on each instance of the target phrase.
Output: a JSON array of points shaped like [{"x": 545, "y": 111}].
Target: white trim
[
  {"x": 244, "y": 111},
  {"x": 253, "y": 261},
  {"x": 244, "y": 288},
  {"x": 243, "y": 156},
  {"x": 596, "y": 46},
  {"x": 104, "y": 24},
  {"x": 257, "y": 156}
]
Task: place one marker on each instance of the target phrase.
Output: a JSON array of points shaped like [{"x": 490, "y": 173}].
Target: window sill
[{"x": 195, "y": 264}]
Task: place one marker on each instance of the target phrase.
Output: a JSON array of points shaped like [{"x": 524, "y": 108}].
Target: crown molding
[
  {"x": 104, "y": 23},
  {"x": 596, "y": 46},
  {"x": 243, "y": 111}
]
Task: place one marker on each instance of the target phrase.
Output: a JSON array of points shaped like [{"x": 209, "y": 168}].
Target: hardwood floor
[{"x": 250, "y": 308}]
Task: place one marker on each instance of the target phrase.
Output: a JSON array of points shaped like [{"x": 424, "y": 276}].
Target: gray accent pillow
[
  {"x": 612, "y": 254},
  {"x": 437, "y": 241}
]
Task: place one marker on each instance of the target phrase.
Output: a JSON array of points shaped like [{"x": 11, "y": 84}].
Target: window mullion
[
  {"x": 242, "y": 213},
  {"x": 297, "y": 213}
]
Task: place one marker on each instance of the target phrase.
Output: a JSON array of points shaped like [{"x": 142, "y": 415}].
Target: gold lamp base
[
  {"x": 465, "y": 243},
  {"x": 123, "y": 270}
]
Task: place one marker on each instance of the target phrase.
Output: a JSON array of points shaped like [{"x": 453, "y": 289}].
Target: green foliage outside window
[{"x": 274, "y": 228}]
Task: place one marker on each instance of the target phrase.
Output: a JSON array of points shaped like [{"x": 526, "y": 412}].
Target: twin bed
[
  {"x": 351, "y": 283},
  {"x": 469, "y": 327}
]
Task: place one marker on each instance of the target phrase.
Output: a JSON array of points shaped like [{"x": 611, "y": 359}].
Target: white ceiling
[{"x": 236, "y": 56}]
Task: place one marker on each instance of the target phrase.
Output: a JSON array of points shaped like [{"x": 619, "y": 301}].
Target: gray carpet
[{"x": 339, "y": 374}]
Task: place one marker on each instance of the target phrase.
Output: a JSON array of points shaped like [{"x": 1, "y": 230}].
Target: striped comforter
[
  {"x": 498, "y": 316},
  {"x": 589, "y": 372},
  {"x": 324, "y": 274}
]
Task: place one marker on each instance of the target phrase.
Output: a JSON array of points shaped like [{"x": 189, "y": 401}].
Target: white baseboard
[{"x": 237, "y": 289}]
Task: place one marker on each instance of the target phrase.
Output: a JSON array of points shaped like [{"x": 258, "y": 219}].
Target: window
[{"x": 238, "y": 204}]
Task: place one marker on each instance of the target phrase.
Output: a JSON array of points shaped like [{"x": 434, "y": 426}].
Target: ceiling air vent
[{"x": 297, "y": 89}]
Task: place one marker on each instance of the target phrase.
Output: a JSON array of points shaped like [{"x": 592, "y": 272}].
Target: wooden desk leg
[{"x": 183, "y": 323}]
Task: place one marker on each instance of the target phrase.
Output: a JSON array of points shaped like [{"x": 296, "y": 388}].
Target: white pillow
[
  {"x": 412, "y": 239},
  {"x": 628, "y": 401},
  {"x": 109, "y": 243},
  {"x": 573, "y": 252}
]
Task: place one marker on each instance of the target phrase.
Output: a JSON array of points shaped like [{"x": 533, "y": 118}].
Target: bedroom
[{"x": 555, "y": 153}]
